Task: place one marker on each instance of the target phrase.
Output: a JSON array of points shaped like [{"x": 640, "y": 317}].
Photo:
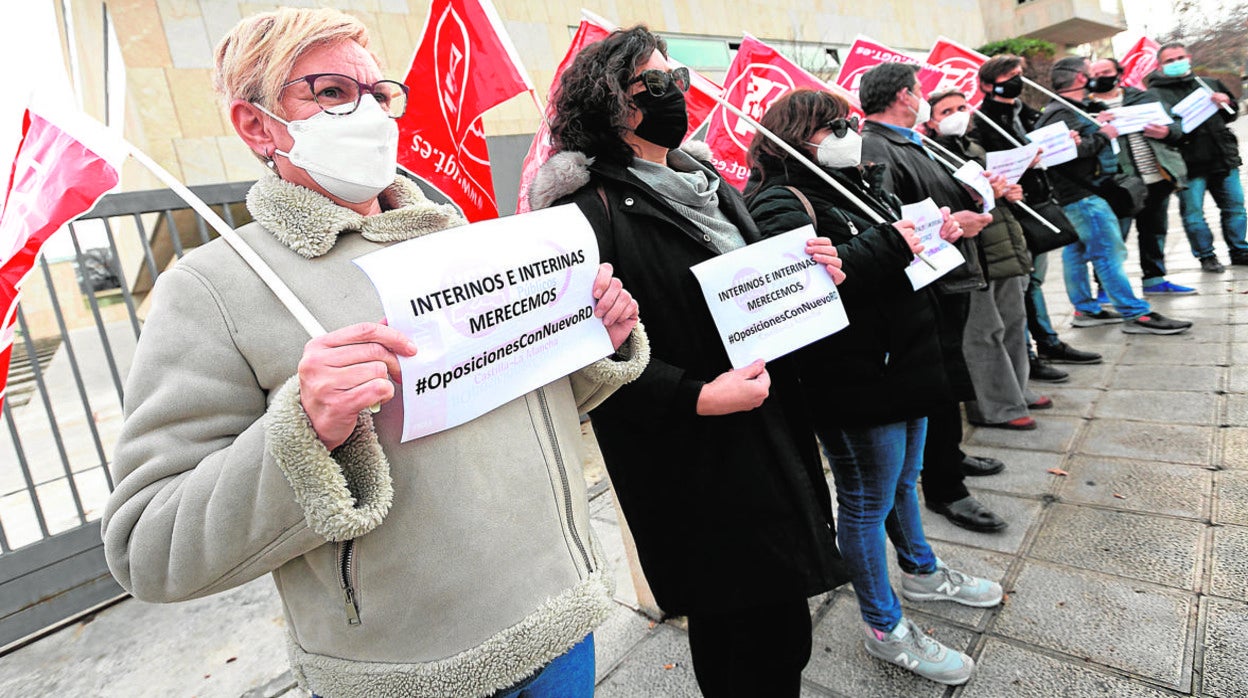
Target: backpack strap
[{"x": 810, "y": 210}]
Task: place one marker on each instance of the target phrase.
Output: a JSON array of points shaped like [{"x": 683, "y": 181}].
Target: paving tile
[
  {"x": 1053, "y": 434},
  {"x": 1020, "y": 513},
  {"x": 1174, "y": 353},
  {"x": 1236, "y": 410},
  {"x": 608, "y": 536},
  {"x": 1229, "y": 570},
  {"x": 1231, "y": 500},
  {"x": 1005, "y": 669},
  {"x": 1239, "y": 353},
  {"x": 1235, "y": 447},
  {"x": 973, "y": 561},
  {"x": 1090, "y": 375},
  {"x": 1134, "y": 626},
  {"x": 643, "y": 671},
  {"x": 1239, "y": 379},
  {"x": 1026, "y": 472},
  {"x": 1068, "y": 400},
  {"x": 1213, "y": 296},
  {"x": 616, "y": 637},
  {"x": 1200, "y": 378},
  {"x": 1149, "y": 548},
  {"x": 1226, "y": 644},
  {"x": 1149, "y": 487},
  {"x": 1166, "y": 406},
  {"x": 840, "y": 663},
  {"x": 1205, "y": 332},
  {"x": 1149, "y": 441}
]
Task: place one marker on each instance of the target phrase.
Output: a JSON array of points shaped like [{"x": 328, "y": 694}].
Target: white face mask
[
  {"x": 924, "y": 114},
  {"x": 352, "y": 156},
  {"x": 955, "y": 124},
  {"x": 835, "y": 153}
]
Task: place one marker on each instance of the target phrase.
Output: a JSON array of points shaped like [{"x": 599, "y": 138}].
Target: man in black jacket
[
  {"x": 893, "y": 102},
  {"x": 1212, "y": 156},
  {"x": 1001, "y": 80}
]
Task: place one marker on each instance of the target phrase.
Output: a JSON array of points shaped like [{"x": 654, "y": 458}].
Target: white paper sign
[
  {"x": 1133, "y": 119},
  {"x": 770, "y": 298},
  {"x": 1058, "y": 146},
  {"x": 496, "y": 309},
  {"x": 1195, "y": 109},
  {"x": 943, "y": 256},
  {"x": 972, "y": 175},
  {"x": 1012, "y": 163}
]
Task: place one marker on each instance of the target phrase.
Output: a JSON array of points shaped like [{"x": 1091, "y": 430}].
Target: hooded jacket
[
  {"x": 453, "y": 564},
  {"x": 727, "y": 511},
  {"x": 1211, "y": 149}
]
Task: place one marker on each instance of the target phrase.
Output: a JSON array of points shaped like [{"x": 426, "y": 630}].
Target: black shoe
[
  {"x": 1063, "y": 353},
  {"x": 976, "y": 466},
  {"x": 1155, "y": 323},
  {"x": 1211, "y": 264},
  {"x": 1240, "y": 261},
  {"x": 1041, "y": 371},
  {"x": 969, "y": 514}
]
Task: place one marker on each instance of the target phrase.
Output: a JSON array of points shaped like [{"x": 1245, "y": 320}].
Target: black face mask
[
  {"x": 1010, "y": 88},
  {"x": 1103, "y": 84},
  {"x": 664, "y": 120}
]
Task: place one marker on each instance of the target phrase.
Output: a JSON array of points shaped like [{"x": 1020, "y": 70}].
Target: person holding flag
[
  {"x": 715, "y": 469},
  {"x": 434, "y": 567}
]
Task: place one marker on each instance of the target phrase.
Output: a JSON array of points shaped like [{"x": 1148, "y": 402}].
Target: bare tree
[{"x": 1219, "y": 44}]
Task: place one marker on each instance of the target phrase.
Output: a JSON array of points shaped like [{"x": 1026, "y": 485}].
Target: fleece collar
[{"x": 309, "y": 223}]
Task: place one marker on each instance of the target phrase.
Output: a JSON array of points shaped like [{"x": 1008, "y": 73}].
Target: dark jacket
[
  {"x": 1165, "y": 149},
  {"x": 912, "y": 176},
  {"x": 1018, "y": 120},
  {"x": 1002, "y": 246},
  {"x": 1072, "y": 181},
  {"x": 1212, "y": 148},
  {"x": 727, "y": 510},
  {"x": 883, "y": 367}
]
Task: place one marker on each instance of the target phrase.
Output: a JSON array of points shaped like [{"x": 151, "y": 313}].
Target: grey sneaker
[
  {"x": 909, "y": 648},
  {"x": 947, "y": 584},
  {"x": 1100, "y": 317},
  {"x": 1211, "y": 264},
  {"x": 1155, "y": 323}
]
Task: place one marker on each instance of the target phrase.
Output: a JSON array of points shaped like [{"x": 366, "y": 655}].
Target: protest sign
[
  {"x": 944, "y": 257},
  {"x": 1134, "y": 118},
  {"x": 1058, "y": 145},
  {"x": 770, "y": 298},
  {"x": 1195, "y": 109},
  {"x": 972, "y": 175},
  {"x": 480, "y": 300},
  {"x": 1012, "y": 163}
]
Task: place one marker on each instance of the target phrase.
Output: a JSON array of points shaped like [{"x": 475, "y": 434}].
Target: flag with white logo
[
  {"x": 465, "y": 65},
  {"x": 1138, "y": 62},
  {"x": 959, "y": 69}
]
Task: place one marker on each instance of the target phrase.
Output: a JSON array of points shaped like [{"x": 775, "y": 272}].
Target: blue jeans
[
  {"x": 1039, "y": 326},
  {"x": 1100, "y": 242},
  {"x": 876, "y": 469},
  {"x": 1228, "y": 194}
]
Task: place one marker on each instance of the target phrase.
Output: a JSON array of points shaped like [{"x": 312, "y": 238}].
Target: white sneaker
[
  {"x": 947, "y": 584},
  {"x": 911, "y": 649}
]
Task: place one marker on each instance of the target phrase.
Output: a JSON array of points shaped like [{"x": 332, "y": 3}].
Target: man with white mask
[{"x": 893, "y": 102}]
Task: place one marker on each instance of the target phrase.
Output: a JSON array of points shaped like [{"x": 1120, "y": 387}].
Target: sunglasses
[
  {"x": 657, "y": 81},
  {"x": 839, "y": 127}
]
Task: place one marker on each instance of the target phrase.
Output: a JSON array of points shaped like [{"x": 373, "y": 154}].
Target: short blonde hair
[{"x": 256, "y": 57}]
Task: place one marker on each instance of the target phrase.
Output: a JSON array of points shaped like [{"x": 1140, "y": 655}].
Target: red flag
[
  {"x": 465, "y": 65},
  {"x": 959, "y": 67},
  {"x": 758, "y": 76},
  {"x": 865, "y": 54},
  {"x": 1138, "y": 62},
  {"x": 698, "y": 102},
  {"x": 55, "y": 178}
]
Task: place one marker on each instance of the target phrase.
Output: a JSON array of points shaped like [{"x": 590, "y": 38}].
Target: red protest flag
[
  {"x": 1138, "y": 62},
  {"x": 465, "y": 65},
  {"x": 959, "y": 66},
  {"x": 865, "y": 53},
  {"x": 758, "y": 76}
]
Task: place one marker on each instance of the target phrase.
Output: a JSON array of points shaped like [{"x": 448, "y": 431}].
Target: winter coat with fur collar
[
  {"x": 727, "y": 511},
  {"x": 454, "y": 564}
]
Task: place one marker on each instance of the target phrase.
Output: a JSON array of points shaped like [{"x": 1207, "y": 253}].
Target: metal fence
[{"x": 77, "y": 326}]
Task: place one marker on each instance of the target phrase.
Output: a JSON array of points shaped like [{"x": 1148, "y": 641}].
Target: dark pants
[
  {"x": 1151, "y": 229},
  {"x": 758, "y": 651},
  {"x": 942, "y": 479}
]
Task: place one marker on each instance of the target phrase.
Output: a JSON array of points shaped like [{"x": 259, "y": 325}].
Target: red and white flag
[
  {"x": 698, "y": 101},
  {"x": 1138, "y": 62},
  {"x": 465, "y": 65},
  {"x": 64, "y": 163},
  {"x": 758, "y": 76},
  {"x": 959, "y": 69}
]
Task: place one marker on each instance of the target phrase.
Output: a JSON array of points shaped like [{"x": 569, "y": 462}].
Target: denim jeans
[
  {"x": 570, "y": 675},
  {"x": 1100, "y": 242},
  {"x": 1152, "y": 226},
  {"x": 875, "y": 469},
  {"x": 1228, "y": 194},
  {"x": 1039, "y": 326}
]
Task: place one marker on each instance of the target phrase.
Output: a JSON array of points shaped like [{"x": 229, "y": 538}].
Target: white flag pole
[
  {"x": 1021, "y": 204},
  {"x": 1225, "y": 107},
  {"x": 1005, "y": 134}
]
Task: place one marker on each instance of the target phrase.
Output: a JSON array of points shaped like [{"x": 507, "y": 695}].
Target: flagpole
[
  {"x": 987, "y": 120},
  {"x": 870, "y": 212},
  {"x": 1225, "y": 107}
]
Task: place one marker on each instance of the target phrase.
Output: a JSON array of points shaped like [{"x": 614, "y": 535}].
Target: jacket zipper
[
  {"x": 563, "y": 477},
  {"x": 346, "y": 576}
]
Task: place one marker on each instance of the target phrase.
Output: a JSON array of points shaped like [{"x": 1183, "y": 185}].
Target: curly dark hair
[
  {"x": 794, "y": 117},
  {"x": 592, "y": 104}
]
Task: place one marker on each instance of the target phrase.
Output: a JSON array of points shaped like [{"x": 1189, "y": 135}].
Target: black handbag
[
  {"x": 1041, "y": 238},
  {"x": 1125, "y": 194}
]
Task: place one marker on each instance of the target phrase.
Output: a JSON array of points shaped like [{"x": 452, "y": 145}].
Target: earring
[{"x": 268, "y": 161}]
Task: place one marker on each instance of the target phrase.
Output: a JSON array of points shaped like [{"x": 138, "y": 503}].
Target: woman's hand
[
  {"x": 739, "y": 390},
  {"x": 615, "y": 306},
  {"x": 823, "y": 252},
  {"x": 345, "y": 371},
  {"x": 1014, "y": 193},
  {"x": 906, "y": 230}
]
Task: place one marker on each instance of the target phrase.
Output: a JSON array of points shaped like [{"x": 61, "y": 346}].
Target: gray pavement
[{"x": 1125, "y": 562}]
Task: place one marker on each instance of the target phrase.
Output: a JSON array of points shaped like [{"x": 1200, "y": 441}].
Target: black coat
[
  {"x": 1212, "y": 148},
  {"x": 885, "y": 366},
  {"x": 727, "y": 511},
  {"x": 1094, "y": 160},
  {"x": 1018, "y": 120}
]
